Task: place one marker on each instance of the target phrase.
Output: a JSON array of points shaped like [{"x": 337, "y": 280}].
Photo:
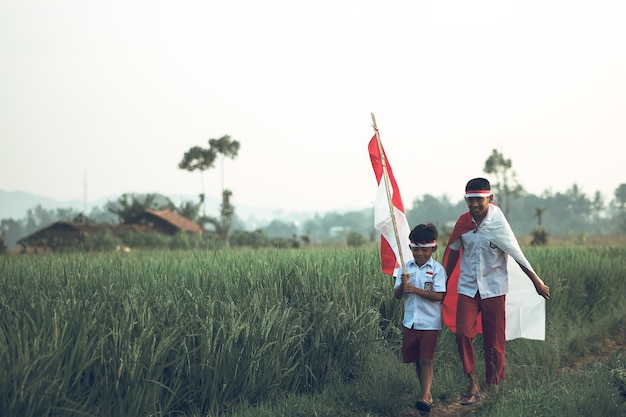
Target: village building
[
  {"x": 64, "y": 234},
  {"x": 166, "y": 222}
]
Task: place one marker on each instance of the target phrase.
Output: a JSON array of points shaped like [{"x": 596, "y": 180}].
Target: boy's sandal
[
  {"x": 423, "y": 406},
  {"x": 470, "y": 399}
]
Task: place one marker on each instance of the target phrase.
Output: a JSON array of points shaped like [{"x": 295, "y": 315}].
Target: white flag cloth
[
  {"x": 383, "y": 222},
  {"x": 525, "y": 309},
  {"x": 390, "y": 253}
]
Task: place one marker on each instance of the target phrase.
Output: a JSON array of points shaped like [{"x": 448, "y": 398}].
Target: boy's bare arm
[
  {"x": 401, "y": 289},
  {"x": 541, "y": 288},
  {"x": 429, "y": 295},
  {"x": 406, "y": 287},
  {"x": 453, "y": 258}
]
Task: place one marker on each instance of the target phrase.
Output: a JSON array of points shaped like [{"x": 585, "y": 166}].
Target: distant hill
[{"x": 15, "y": 204}]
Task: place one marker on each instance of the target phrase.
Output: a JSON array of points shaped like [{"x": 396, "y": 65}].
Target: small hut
[
  {"x": 166, "y": 222},
  {"x": 62, "y": 234}
]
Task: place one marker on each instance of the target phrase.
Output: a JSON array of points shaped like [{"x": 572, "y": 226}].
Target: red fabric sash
[{"x": 463, "y": 225}]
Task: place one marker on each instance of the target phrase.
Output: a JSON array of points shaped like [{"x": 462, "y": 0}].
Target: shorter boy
[{"x": 422, "y": 283}]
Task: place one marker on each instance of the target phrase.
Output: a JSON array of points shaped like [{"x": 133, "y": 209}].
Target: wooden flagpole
[{"x": 388, "y": 188}]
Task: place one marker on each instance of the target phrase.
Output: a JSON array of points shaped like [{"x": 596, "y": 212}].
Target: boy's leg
[
  {"x": 411, "y": 350},
  {"x": 466, "y": 330},
  {"x": 494, "y": 338},
  {"x": 425, "y": 365},
  {"x": 418, "y": 372},
  {"x": 466, "y": 321},
  {"x": 426, "y": 378}
]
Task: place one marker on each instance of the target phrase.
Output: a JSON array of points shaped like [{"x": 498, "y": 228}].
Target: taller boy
[{"x": 483, "y": 239}]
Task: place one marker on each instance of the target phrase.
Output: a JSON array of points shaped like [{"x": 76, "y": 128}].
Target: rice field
[{"x": 273, "y": 332}]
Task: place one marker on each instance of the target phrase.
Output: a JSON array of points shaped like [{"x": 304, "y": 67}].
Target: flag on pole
[{"x": 393, "y": 243}]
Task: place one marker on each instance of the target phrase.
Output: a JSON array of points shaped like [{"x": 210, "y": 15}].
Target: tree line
[
  {"x": 571, "y": 212},
  {"x": 562, "y": 213}
]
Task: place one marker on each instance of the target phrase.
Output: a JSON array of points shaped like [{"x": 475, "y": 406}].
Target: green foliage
[
  {"x": 198, "y": 158},
  {"x": 148, "y": 334},
  {"x": 225, "y": 146},
  {"x": 103, "y": 241},
  {"x": 590, "y": 391},
  {"x": 261, "y": 238},
  {"x": 182, "y": 240},
  {"x": 618, "y": 375},
  {"x": 223, "y": 223},
  {"x": 319, "y": 228},
  {"x": 187, "y": 209},
  {"x": 564, "y": 214},
  {"x": 129, "y": 206},
  {"x": 506, "y": 186},
  {"x": 284, "y": 243},
  {"x": 3, "y": 242},
  {"x": 355, "y": 239},
  {"x": 201, "y": 159},
  {"x": 620, "y": 196},
  {"x": 539, "y": 237},
  {"x": 278, "y": 228},
  {"x": 255, "y": 239},
  {"x": 144, "y": 240}
]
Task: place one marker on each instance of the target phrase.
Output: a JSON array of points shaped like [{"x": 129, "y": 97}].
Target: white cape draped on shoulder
[{"x": 525, "y": 309}]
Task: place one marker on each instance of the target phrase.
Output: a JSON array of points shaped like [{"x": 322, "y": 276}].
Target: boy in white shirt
[
  {"x": 480, "y": 242},
  {"x": 422, "y": 283}
]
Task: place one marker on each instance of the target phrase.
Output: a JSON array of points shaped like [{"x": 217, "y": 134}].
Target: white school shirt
[
  {"x": 483, "y": 265},
  {"x": 420, "y": 313}
]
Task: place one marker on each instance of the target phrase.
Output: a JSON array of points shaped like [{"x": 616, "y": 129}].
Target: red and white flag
[{"x": 390, "y": 257}]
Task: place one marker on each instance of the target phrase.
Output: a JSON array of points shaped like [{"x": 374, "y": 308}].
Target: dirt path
[
  {"x": 452, "y": 409},
  {"x": 455, "y": 409}
]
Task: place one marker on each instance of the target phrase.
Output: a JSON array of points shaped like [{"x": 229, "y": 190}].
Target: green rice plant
[
  {"x": 588, "y": 291},
  {"x": 588, "y": 392},
  {"x": 280, "y": 332},
  {"x": 156, "y": 333}
]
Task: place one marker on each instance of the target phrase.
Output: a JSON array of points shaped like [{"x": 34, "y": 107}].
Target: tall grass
[
  {"x": 271, "y": 332},
  {"x": 156, "y": 334}
]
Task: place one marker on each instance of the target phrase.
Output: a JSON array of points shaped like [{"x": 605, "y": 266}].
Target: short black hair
[
  {"x": 478, "y": 184},
  {"x": 424, "y": 233}
]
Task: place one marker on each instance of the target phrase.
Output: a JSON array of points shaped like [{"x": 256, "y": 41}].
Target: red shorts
[{"x": 418, "y": 344}]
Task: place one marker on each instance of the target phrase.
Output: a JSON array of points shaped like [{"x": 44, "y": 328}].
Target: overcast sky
[{"x": 116, "y": 91}]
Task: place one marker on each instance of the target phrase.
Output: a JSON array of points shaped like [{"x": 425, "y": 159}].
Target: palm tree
[
  {"x": 506, "y": 186},
  {"x": 201, "y": 159}
]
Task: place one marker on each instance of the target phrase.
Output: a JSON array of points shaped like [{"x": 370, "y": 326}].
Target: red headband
[
  {"x": 478, "y": 193},
  {"x": 430, "y": 244}
]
